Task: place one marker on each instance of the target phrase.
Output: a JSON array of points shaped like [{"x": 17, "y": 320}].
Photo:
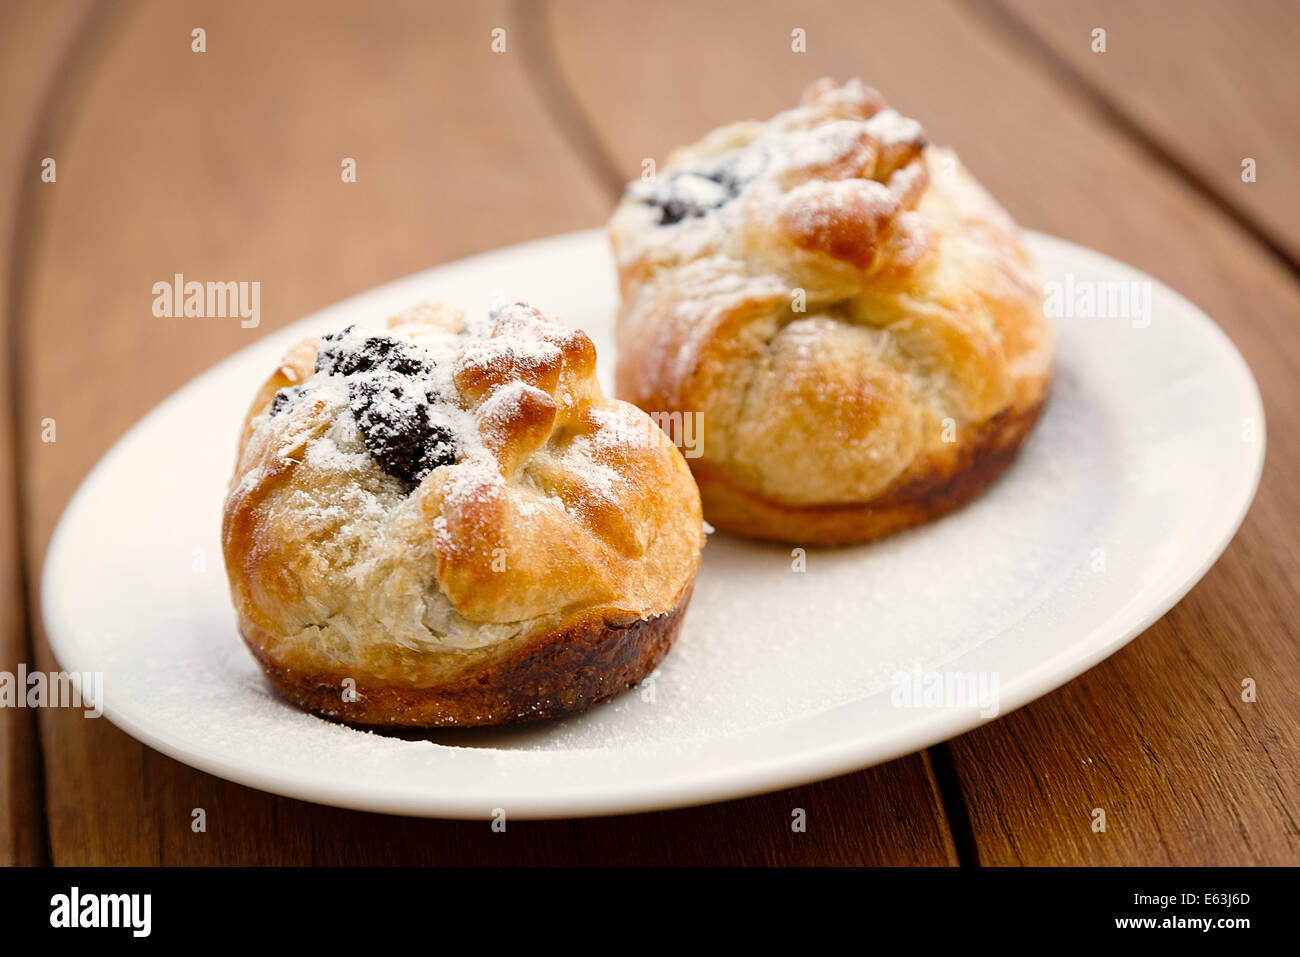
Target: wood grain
[
  {"x": 1208, "y": 83},
  {"x": 28, "y": 77},
  {"x": 885, "y": 815},
  {"x": 1157, "y": 735},
  {"x": 226, "y": 164}
]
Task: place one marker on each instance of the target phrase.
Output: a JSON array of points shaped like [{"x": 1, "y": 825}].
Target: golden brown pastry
[
  {"x": 434, "y": 524},
  {"x": 852, "y": 317}
]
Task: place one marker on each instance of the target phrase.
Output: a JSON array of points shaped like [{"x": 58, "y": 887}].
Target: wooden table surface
[{"x": 227, "y": 163}]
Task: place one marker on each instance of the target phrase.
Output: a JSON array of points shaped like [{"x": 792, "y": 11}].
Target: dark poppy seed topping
[
  {"x": 687, "y": 193},
  {"x": 393, "y": 415},
  {"x": 391, "y": 399},
  {"x": 285, "y": 398},
  {"x": 347, "y": 353}
]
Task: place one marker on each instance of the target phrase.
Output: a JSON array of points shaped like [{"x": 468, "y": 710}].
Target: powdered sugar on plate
[{"x": 780, "y": 676}]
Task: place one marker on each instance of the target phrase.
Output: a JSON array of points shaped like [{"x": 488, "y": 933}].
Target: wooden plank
[
  {"x": 1158, "y": 734},
  {"x": 886, "y": 815},
  {"x": 28, "y": 70},
  {"x": 227, "y": 164},
  {"x": 1209, "y": 83}
]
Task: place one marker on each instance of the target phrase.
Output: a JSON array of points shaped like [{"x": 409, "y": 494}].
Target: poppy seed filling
[
  {"x": 391, "y": 399},
  {"x": 687, "y": 193}
]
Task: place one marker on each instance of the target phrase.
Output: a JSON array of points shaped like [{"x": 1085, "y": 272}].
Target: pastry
[
  {"x": 436, "y": 523},
  {"x": 853, "y": 319}
]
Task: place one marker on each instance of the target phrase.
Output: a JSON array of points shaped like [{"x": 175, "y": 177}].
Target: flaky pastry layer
[
  {"x": 846, "y": 309},
  {"x": 426, "y": 503}
]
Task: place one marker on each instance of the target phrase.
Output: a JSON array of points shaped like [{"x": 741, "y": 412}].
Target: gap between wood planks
[
  {"x": 1005, "y": 22},
  {"x": 541, "y": 62},
  {"x": 56, "y": 103}
]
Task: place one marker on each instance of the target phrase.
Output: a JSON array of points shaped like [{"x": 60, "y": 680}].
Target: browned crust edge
[
  {"x": 975, "y": 465},
  {"x": 545, "y": 676}
]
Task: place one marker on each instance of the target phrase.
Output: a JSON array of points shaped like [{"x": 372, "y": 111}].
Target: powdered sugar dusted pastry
[
  {"x": 853, "y": 317},
  {"x": 435, "y": 524}
]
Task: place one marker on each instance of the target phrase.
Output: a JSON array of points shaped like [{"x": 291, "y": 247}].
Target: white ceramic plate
[{"x": 1136, "y": 478}]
